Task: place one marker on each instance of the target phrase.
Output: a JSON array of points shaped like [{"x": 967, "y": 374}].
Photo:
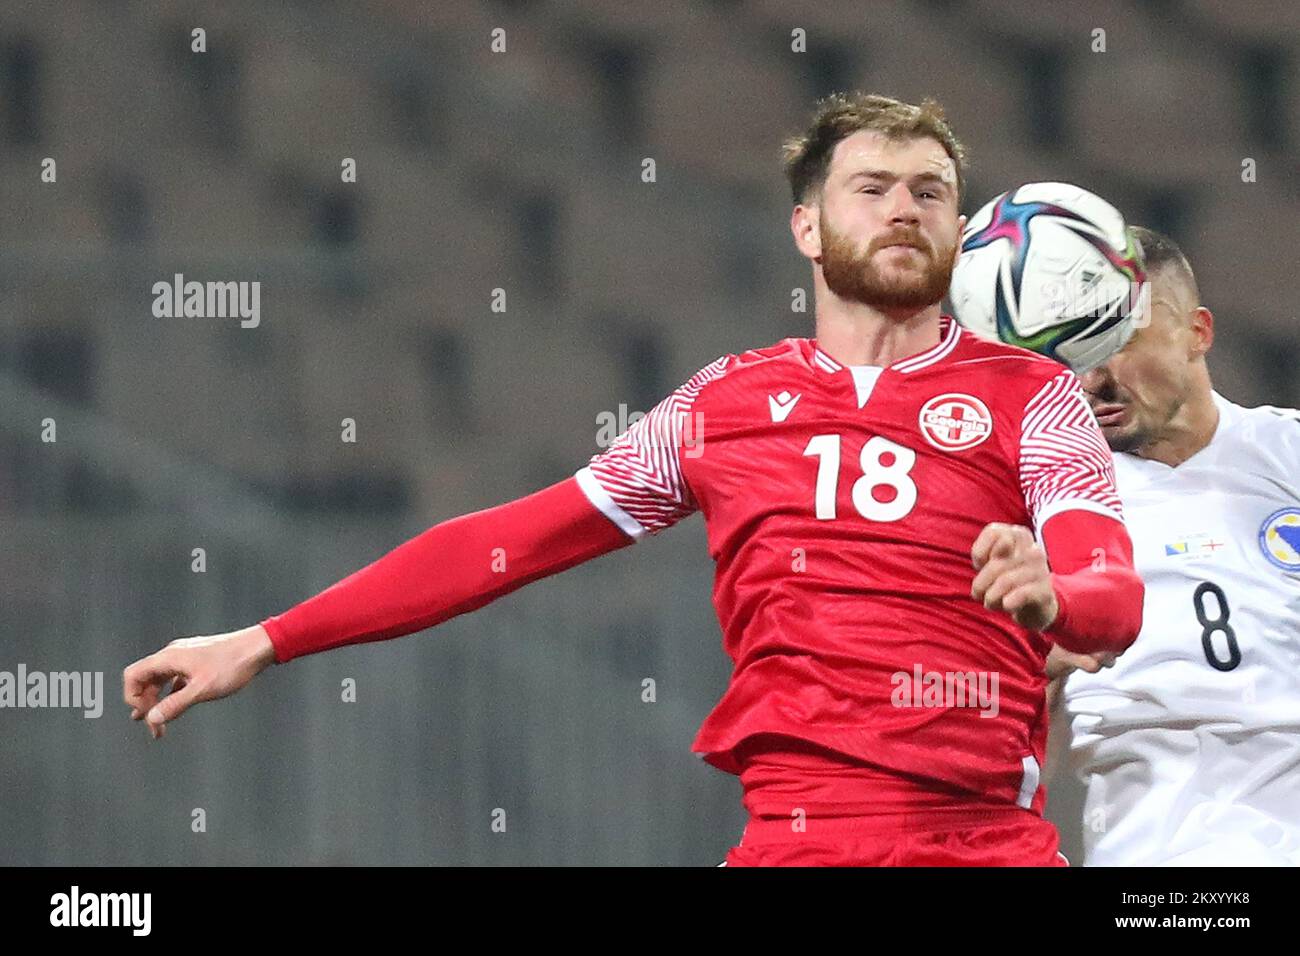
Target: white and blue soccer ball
[{"x": 1052, "y": 268}]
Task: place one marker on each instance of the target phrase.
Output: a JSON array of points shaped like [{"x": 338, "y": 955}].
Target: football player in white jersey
[{"x": 1189, "y": 744}]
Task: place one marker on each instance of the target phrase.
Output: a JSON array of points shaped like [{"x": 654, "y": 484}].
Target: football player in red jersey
[{"x": 903, "y": 517}]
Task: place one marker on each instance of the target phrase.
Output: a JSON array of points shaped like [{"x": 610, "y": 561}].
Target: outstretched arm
[
  {"x": 455, "y": 566},
  {"x": 633, "y": 488}
]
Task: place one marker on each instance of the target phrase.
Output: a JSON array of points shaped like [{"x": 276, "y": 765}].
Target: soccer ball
[{"x": 1052, "y": 268}]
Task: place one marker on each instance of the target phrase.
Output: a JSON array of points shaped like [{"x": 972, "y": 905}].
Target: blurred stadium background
[{"x": 481, "y": 170}]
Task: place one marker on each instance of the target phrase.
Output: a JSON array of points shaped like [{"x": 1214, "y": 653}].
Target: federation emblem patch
[
  {"x": 1279, "y": 539},
  {"x": 1200, "y": 545},
  {"x": 955, "y": 422}
]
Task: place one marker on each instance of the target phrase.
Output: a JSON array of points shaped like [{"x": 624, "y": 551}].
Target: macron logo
[{"x": 782, "y": 405}]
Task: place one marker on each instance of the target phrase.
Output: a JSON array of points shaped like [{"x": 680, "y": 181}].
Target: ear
[
  {"x": 805, "y": 225},
  {"x": 956, "y": 252},
  {"x": 1202, "y": 330}
]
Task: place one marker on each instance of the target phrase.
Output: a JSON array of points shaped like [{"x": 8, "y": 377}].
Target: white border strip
[
  {"x": 825, "y": 361},
  {"x": 598, "y": 496},
  {"x": 928, "y": 358},
  {"x": 1028, "y": 781}
]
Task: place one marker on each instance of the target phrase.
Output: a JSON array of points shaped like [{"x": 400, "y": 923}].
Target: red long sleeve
[
  {"x": 1099, "y": 592},
  {"x": 456, "y": 566}
]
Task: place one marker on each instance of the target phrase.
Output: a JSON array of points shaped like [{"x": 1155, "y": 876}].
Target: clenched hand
[{"x": 1013, "y": 576}]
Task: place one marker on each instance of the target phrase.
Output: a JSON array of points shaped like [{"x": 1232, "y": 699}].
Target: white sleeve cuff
[{"x": 607, "y": 506}]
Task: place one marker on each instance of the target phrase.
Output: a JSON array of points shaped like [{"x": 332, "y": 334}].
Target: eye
[
  {"x": 874, "y": 190},
  {"x": 928, "y": 194}
]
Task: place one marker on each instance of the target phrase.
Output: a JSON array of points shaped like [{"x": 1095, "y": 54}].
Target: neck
[
  {"x": 857, "y": 334},
  {"x": 1188, "y": 431}
]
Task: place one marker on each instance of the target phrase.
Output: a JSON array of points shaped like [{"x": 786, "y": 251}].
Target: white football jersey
[{"x": 1190, "y": 744}]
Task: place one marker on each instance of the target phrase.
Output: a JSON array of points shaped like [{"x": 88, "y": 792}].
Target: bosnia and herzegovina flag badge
[{"x": 1279, "y": 539}]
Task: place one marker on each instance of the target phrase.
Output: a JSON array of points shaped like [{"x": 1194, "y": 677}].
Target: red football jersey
[{"x": 841, "y": 504}]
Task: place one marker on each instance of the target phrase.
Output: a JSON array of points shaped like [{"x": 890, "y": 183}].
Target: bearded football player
[{"x": 904, "y": 518}]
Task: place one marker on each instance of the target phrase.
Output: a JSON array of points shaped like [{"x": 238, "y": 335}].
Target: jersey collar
[
  {"x": 949, "y": 333},
  {"x": 1229, "y": 414}
]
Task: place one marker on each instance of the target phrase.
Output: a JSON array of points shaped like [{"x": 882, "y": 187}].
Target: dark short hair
[
  {"x": 1161, "y": 252},
  {"x": 840, "y": 115}
]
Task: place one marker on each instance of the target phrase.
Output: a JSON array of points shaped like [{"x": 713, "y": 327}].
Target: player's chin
[
  {"x": 900, "y": 295},
  {"x": 916, "y": 267},
  {"x": 1123, "y": 438},
  {"x": 903, "y": 253}
]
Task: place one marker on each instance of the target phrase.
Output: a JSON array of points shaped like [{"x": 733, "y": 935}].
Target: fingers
[
  {"x": 1007, "y": 554},
  {"x": 983, "y": 546},
  {"x": 999, "y": 540},
  {"x": 1005, "y": 547},
  {"x": 1032, "y": 605},
  {"x": 203, "y": 668},
  {"x": 1013, "y": 575},
  {"x": 989, "y": 575},
  {"x": 1001, "y": 575},
  {"x": 1013, "y": 587},
  {"x": 1061, "y": 662},
  {"x": 144, "y": 681},
  {"x": 1093, "y": 663},
  {"x": 1089, "y": 664},
  {"x": 1086, "y": 663},
  {"x": 171, "y": 707}
]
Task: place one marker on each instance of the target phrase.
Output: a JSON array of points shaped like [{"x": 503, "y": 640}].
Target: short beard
[
  {"x": 854, "y": 276},
  {"x": 1139, "y": 434},
  {"x": 1130, "y": 442},
  {"x": 1142, "y": 435}
]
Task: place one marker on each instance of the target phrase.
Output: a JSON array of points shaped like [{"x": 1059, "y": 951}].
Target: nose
[
  {"x": 903, "y": 207},
  {"x": 1093, "y": 380}
]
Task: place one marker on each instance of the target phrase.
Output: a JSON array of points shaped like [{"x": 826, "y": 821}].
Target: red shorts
[{"x": 977, "y": 839}]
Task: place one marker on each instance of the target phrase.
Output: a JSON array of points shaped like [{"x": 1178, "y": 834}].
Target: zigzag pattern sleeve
[
  {"x": 1065, "y": 462},
  {"x": 637, "y": 482}
]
